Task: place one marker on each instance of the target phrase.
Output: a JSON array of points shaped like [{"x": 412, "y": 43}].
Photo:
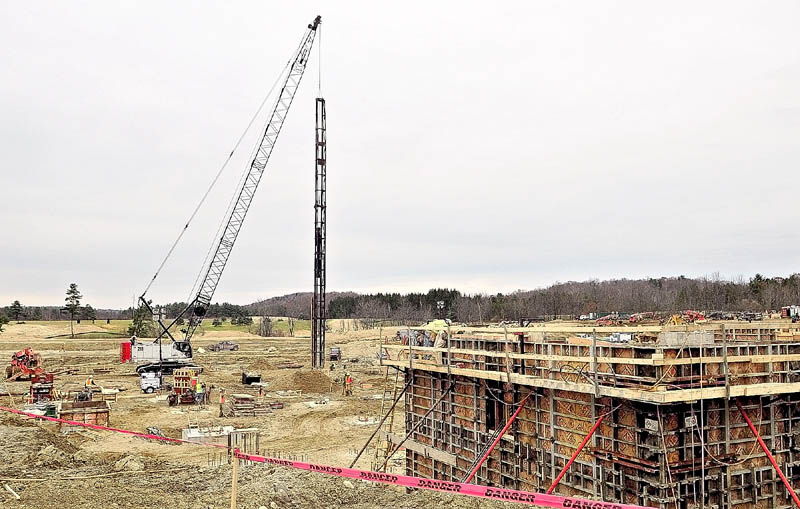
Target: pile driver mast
[
  {"x": 198, "y": 307},
  {"x": 318, "y": 307}
]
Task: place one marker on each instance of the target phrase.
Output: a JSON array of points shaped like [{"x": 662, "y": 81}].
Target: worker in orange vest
[{"x": 348, "y": 384}]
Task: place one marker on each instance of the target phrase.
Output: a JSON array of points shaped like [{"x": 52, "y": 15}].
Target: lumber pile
[{"x": 245, "y": 405}]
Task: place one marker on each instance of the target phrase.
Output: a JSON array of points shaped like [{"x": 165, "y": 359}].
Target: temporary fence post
[{"x": 235, "y": 483}]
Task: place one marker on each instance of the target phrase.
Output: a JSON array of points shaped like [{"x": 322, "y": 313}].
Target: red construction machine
[
  {"x": 42, "y": 388},
  {"x": 25, "y": 364}
]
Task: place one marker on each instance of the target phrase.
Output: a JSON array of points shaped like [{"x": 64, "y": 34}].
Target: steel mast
[{"x": 318, "y": 308}]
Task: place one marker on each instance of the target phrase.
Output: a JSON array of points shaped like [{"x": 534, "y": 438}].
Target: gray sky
[{"x": 469, "y": 147}]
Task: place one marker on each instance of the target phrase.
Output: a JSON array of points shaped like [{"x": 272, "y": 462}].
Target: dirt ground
[{"x": 109, "y": 470}]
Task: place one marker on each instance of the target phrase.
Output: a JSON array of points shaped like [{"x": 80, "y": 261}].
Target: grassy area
[
  {"x": 278, "y": 325},
  {"x": 282, "y": 324},
  {"x": 119, "y": 328}
]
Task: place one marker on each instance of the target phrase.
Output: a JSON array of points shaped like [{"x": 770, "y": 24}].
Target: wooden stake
[
  {"x": 235, "y": 483},
  {"x": 11, "y": 491}
]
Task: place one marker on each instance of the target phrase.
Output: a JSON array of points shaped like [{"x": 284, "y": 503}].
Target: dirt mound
[
  {"x": 260, "y": 365},
  {"x": 129, "y": 464},
  {"x": 303, "y": 380}
]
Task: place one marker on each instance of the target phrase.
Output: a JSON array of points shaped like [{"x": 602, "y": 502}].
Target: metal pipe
[
  {"x": 497, "y": 440},
  {"x": 769, "y": 455},
  {"x": 391, "y": 409},
  {"x": 575, "y": 454},
  {"x": 413, "y": 429}
]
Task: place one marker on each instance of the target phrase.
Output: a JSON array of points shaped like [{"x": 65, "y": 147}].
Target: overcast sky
[{"x": 487, "y": 149}]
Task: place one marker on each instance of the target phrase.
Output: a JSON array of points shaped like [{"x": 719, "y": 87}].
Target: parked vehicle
[
  {"x": 336, "y": 353},
  {"x": 150, "y": 382},
  {"x": 224, "y": 345}
]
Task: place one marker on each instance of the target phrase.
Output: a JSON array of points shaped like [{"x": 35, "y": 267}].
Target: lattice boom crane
[{"x": 198, "y": 307}]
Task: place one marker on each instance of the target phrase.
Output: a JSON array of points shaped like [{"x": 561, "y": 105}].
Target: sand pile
[{"x": 302, "y": 380}]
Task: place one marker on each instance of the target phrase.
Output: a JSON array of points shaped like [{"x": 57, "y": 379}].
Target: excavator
[
  {"x": 25, "y": 364},
  {"x": 180, "y": 350}
]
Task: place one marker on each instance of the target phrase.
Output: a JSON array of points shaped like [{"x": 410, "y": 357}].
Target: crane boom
[{"x": 199, "y": 306}]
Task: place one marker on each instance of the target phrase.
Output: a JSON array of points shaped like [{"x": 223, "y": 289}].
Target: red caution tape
[{"x": 474, "y": 490}]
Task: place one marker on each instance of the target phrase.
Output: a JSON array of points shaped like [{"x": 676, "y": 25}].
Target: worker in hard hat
[
  {"x": 200, "y": 394},
  {"x": 440, "y": 342},
  {"x": 348, "y": 384}
]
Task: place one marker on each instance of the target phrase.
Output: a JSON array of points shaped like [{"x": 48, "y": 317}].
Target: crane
[{"x": 198, "y": 307}]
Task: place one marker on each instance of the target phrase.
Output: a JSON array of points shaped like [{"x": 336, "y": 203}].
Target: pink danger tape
[
  {"x": 106, "y": 428},
  {"x": 473, "y": 490}
]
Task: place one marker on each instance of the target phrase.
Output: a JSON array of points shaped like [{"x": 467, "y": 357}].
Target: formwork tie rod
[
  {"x": 575, "y": 454},
  {"x": 497, "y": 439},
  {"x": 766, "y": 451}
]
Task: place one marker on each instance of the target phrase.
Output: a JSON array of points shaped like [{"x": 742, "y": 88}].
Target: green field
[{"x": 119, "y": 328}]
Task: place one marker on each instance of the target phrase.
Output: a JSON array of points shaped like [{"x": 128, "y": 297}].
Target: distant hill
[
  {"x": 573, "y": 298},
  {"x": 294, "y": 304}
]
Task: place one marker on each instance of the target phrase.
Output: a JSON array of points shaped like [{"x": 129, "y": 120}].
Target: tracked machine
[{"x": 24, "y": 365}]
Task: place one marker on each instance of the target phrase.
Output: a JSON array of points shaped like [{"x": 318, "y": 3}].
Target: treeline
[
  {"x": 666, "y": 294},
  {"x": 570, "y": 299},
  {"x": 216, "y": 310},
  {"x": 49, "y": 313}
]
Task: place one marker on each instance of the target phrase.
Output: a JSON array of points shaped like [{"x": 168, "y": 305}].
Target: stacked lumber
[{"x": 245, "y": 405}]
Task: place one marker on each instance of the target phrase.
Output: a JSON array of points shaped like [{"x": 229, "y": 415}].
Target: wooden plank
[
  {"x": 654, "y": 396},
  {"x": 419, "y": 448},
  {"x": 656, "y": 360}
]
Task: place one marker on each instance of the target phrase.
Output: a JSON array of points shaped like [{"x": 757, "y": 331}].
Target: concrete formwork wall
[{"x": 625, "y": 461}]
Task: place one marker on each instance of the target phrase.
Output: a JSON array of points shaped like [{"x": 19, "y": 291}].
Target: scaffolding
[{"x": 663, "y": 402}]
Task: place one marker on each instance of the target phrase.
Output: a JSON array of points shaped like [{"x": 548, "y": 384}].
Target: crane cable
[
  {"x": 214, "y": 240},
  {"x": 319, "y": 61},
  {"x": 221, "y": 170}
]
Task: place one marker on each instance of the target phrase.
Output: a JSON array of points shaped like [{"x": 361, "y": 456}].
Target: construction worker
[
  {"x": 90, "y": 382},
  {"x": 348, "y": 384},
  {"x": 200, "y": 395}
]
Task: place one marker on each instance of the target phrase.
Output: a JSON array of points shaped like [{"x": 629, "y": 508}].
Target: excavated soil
[{"x": 97, "y": 469}]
